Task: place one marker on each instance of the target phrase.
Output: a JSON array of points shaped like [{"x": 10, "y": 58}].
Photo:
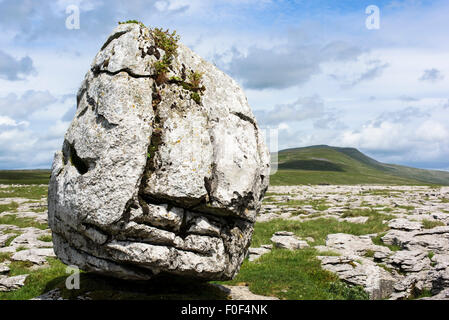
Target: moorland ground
[{"x": 309, "y": 212}]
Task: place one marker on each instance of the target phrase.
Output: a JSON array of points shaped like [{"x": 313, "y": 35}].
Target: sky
[{"x": 318, "y": 72}]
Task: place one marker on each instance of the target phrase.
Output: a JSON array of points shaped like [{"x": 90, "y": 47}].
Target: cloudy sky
[{"x": 311, "y": 69}]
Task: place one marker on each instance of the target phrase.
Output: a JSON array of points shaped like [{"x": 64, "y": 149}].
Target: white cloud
[
  {"x": 303, "y": 108},
  {"x": 15, "y": 69},
  {"x": 431, "y": 130},
  {"x": 22, "y": 107},
  {"x": 432, "y": 75},
  {"x": 7, "y": 121}
]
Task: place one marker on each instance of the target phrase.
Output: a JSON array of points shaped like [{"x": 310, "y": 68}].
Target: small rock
[
  {"x": 356, "y": 219},
  {"x": 404, "y": 224},
  {"x": 12, "y": 283},
  {"x": 284, "y": 233},
  {"x": 242, "y": 293},
  {"x": 287, "y": 240},
  {"x": 37, "y": 256},
  {"x": 410, "y": 261},
  {"x": 54, "y": 294},
  {"x": 376, "y": 281},
  {"x": 4, "y": 268},
  {"x": 256, "y": 253}
]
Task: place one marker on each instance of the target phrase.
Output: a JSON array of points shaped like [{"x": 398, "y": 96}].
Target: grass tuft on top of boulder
[
  {"x": 167, "y": 41},
  {"x": 132, "y": 21}
]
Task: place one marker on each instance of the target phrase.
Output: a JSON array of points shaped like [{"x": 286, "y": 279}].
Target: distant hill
[
  {"x": 324, "y": 164},
  {"x": 320, "y": 164}
]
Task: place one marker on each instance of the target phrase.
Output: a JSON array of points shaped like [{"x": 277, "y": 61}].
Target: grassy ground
[
  {"x": 24, "y": 176},
  {"x": 9, "y": 207},
  {"x": 281, "y": 273},
  {"x": 294, "y": 275},
  {"x": 30, "y": 192},
  {"x": 318, "y": 229},
  {"x": 317, "y": 204},
  {"x": 38, "y": 281},
  {"x": 12, "y": 219},
  {"x": 297, "y": 274},
  {"x": 97, "y": 287}
]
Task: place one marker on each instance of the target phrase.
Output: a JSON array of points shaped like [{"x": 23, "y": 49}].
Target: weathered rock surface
[
  {"x": 404, "y": 224},
  {"x": 36, "y": 256},
  {"x": 242, "y": 293},
  {"x": 12, "y": 283},
  {"x": 256, "y": 253},
  {"x": 287, "y": 240},
  {"x": 4, "y": 268},
  {"x": 150, "y": 179},
  {"x": 360, "y": 271}
]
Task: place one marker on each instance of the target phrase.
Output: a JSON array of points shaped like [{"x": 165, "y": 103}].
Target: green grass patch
[
  {"x": 378, "y": 241},
  {"x": 295, "y": 275},
  {"x": 359, "y": 213},
  {"x": 408, "y": 208},
  {"x": 429, "y": 224},
  {"x": 5, "y": 256},
  {"x": 418, "y": 294},
  {"x": 29, "y": 192},
  {"x": 317, "y": 204},
  {"x": 10, "y": 239},
  {"x": 300, "y": 213},
  {"x": 317, "y": 229},
  {"x": 383, "y": 266},
  {"x": 369, "y": 253},
  {"x": 329, "y": 253},
  {"x": 39, "y": 209},
  {"x": 25, "y": 176},
  {"x": 381, "y": 192},
  {"x": 45, "y": 238},
  {"x": 104, "y": 288},
  {"x": 267, "y": 194},
  {"x": 38, "y": 282},
  {"x": 12, "y": 219},
  {"x": 10, "y": 207}
]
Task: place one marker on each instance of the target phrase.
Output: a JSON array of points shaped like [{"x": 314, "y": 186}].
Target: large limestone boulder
[{"x": 157, "y": 173}]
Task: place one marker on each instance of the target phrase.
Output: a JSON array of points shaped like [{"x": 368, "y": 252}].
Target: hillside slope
[{"x": 333, "y": 165}]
